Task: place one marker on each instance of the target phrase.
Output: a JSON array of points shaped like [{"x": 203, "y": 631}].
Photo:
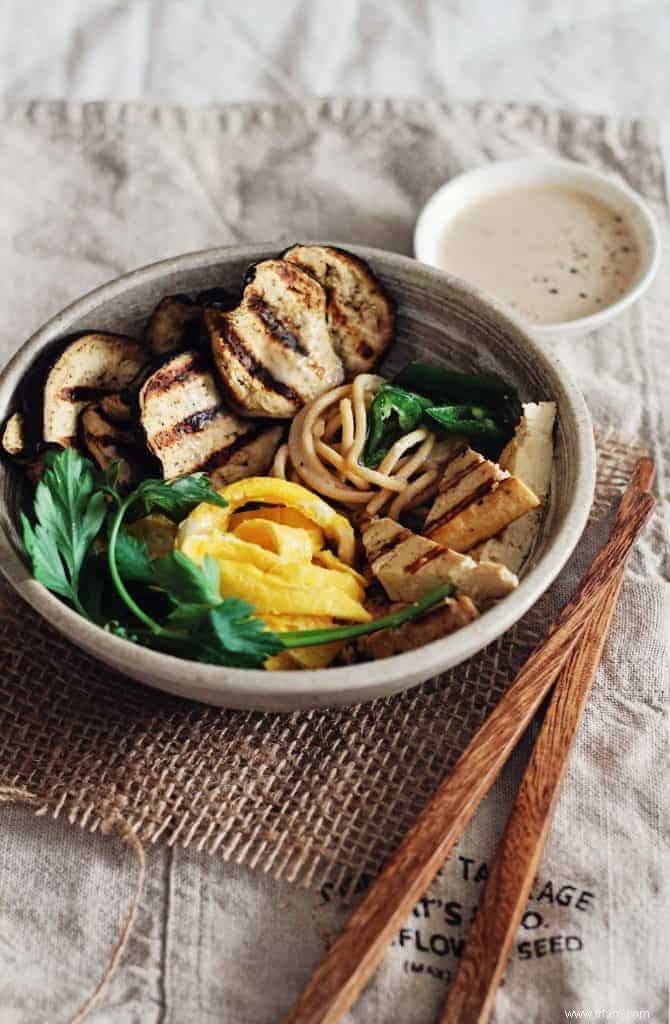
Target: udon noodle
[{"x": 326, "y": 442}]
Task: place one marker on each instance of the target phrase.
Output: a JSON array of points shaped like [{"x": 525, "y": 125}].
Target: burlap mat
[{"x": 314, "y": 796}]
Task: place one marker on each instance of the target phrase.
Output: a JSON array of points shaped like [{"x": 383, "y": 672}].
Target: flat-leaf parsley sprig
[{"x": 69, "y": 513}]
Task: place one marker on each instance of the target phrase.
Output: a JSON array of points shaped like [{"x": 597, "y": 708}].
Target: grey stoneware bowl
[{"x": 440, "y": 318}]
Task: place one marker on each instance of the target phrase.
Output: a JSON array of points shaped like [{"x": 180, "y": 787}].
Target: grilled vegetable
[
  {"x": 20, "y": 447},
  {"x": 450, "y": 389},
  {"x": 14, "y": 435},
  {"x": 273, "y": 353},
  {"x": 109, "y": 435},
  {"x": 175, "y": 324},
  {"x": 449, "y": 385},
  {"x": 393, "y": 412},
  {"x": 474, "y": 421},
  {"x": 217, "y": 298},
  {"x": 361, "y": 316},
  {"x": 92, "y": 366},
  {"x": 189, "y": 428}
]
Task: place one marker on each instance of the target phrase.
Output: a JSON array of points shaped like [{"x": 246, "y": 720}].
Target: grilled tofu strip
[
  {"x": 409, "y": 566},
  {"x": 109, "y": 434},
  {"x": 440, "y": 621},
  {"x": 94, "y": 365},
  {"x": 175, "y": 324},
  {"x": 189, "y": 428},
  {"x": 529, "y": 456},
  {"x": 476, "y": 501},
  {"x": 361, "y": 316},
  {"x": 273, "y": 353}
]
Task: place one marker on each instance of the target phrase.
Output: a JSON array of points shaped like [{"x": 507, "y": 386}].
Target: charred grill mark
[
  {"x": 125, "y": 447},
  {"x": 454, "y": 481},
  {"x": 398, "y": 537},
  {"x": 106, "y": 417},
  {"x": 170, "y": 375},
  {"x": 277, "y": 329},
  {"x": 256, "y": 369},
  {"x": 423, "y": 560},
  {"x": 469, "y": 499},
  {"x": 290, "y": 275},
  {"x": 192, "y": 424},
  {"x": 219, "y": 458},
  {"x": 452, "y": 458},
  {"x": 84, "y": 393}
]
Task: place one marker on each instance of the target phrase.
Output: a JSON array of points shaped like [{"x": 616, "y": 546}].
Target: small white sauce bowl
[{"x": 483, "y": 182}]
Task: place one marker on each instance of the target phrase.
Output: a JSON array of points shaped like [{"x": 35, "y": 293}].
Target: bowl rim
[
  {"x": 292, "y": 689},
  {"x": 426, "y": 229}
]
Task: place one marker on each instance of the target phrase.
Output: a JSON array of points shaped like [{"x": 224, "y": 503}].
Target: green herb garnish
[{"x": 69, "y": 513}]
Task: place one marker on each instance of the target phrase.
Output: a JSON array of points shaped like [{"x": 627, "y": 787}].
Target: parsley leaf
[
  {"x": 132, "y": 558},
  {"x": 69, "y": 514},
  {"x": 176, "y": 497},
  {"x": 227, "y": 634},
  {"x": 185, "y": 581}
]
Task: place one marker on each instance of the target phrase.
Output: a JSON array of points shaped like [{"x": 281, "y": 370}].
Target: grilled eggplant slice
[
  {"x": 175, "y": 324},
  {"x": 120, "y": 407},
  {"x": 110, "y": 435},
  {"x": 14, "y": 435},
  {"x": 217, "y": 298},
  {"x": 188, "y": 427},
  {"x": 361, "y": 315},
  {"x": 92, "y": 366},
  {"x": 273, "y": 353}
]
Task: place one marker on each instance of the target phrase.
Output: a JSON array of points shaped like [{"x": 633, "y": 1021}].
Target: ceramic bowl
[
  {"x": 439, "y": 318},
  {"x": 498, "y": 177}
]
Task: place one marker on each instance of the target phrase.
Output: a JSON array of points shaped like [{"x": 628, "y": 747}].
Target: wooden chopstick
[
  {"x": 472, "y": 994},
  {"x": 339, "y": 978}
]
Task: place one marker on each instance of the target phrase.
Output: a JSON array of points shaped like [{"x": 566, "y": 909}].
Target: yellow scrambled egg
[{"x": 276, "y": 557}]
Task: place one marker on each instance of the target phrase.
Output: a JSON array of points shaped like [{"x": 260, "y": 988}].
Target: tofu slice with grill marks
[
  {"x": 361, "y": 314},
  {"x": 94, "y": 365},
  {"x": 446, "y": 618},
  {"x": 273, "y": 353},
  {"x": 409, "y": 566},
  {"x": 529, "y": 456},
  {"x": 189, "y": 429},
  {"x": 476, "y": 500}
]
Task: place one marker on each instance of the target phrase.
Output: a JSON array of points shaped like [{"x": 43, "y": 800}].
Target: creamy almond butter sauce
[{"x": 551, "y": 253}]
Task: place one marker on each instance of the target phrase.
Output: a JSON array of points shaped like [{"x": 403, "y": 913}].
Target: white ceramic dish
[
  {"x": 439, "y": 318},
  {"x": 486, "y": 181}
]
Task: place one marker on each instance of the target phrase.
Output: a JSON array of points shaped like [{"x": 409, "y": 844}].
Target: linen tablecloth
[{"x": 93, "y": 190}]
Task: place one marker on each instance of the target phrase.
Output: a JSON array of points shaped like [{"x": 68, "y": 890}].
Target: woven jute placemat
[{"x": 313, "y": 796}]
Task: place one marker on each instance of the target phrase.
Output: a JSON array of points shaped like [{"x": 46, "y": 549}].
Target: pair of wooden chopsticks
[{"x": 347, "y": 966}]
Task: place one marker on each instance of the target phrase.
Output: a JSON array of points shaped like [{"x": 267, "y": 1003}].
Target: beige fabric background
[{"x": 91, "y": 191}]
